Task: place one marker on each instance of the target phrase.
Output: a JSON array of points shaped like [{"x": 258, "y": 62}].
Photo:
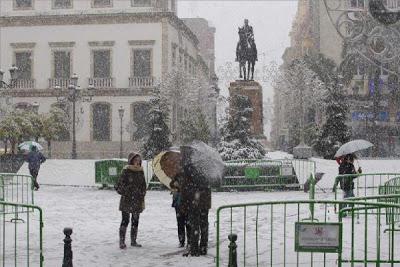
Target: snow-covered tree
[
  {"x": 195, "y": 127},
  {"x": 236, "y": 141},
  {"x": 159, "y": 138},
  {"x": 303, "y": 93},
  {"x": 190, "y": 99},
  {"x": 334, "y": 131},
  {"x": 55, "y": 125}
]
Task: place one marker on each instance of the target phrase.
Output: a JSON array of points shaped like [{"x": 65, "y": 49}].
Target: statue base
[{"x": 253, "y": 90}]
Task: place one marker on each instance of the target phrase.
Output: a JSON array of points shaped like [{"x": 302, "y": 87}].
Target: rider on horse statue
[{"x": 246, "y": 51}]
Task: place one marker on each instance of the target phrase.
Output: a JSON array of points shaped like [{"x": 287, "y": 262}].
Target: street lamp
[
  {"x": 73, "y": 95},
  {"x": 121, "y": 116},
  {"x": 13, "y": 74}
]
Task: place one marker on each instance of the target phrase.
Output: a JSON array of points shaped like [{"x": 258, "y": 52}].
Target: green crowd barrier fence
[
  {"x": 16, "y": 188},
  {"x": 365, "y": 184},
  {"x": 107, "y": 172},
  {"x": 21, "y": 244},
  {"x": 267, "y": 174},
  {"x": 391, "y": 187},
  {"x": 287, "y": 233}
]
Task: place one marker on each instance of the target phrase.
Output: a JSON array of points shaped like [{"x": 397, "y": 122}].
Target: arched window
[
  {"x": 140, "y": 117},
  {"x": 64, "y": 135},
  {"x": 101, "y": 121}
]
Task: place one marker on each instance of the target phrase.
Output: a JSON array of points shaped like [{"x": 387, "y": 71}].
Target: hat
[{"x": 132, "y": 156}]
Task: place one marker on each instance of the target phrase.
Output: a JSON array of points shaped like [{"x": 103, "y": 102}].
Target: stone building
[
  {"x": 122, "y": 49},
  {"x": 324, "y": 27}
]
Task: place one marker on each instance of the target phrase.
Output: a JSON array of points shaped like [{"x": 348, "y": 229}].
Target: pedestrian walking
[
  {"x": 347, "y": 168},
  {"x": 34, "y": 158},
  {"x": 181, "y": 210},
  {"x": 131, "y": 186}
]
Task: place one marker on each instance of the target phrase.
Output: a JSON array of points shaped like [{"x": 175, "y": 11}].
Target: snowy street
[{"x": 93, "y": 214}]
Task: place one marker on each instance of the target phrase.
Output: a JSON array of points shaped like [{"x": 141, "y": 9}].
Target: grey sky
[{"x": 271, "y": 21}]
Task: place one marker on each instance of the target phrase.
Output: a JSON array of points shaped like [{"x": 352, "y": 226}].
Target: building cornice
[
  {"x": 90, "y": 19},
  {"x": 98, "y": 92}
]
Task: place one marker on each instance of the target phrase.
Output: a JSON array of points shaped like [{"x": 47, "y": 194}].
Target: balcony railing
[
  {"x": 63, "y": 83},
  {"x": 141, "y": 82},
  {"x": 23, "y": 83},
  {"x": 102, "y": 82}
]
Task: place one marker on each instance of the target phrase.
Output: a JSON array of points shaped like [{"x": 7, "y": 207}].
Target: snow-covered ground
[{"x": 93, "y": 214}]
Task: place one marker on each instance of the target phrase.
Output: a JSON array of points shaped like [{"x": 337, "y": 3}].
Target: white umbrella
[
  {"x": 28, "y": 145},
  {"x": 352, "y": 147}
]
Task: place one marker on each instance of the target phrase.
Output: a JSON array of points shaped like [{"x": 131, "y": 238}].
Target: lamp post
[
  {"x": 13, "y": 74},
  {"x": 73, "y": 95},
  {"x": 121, "y": 116}
]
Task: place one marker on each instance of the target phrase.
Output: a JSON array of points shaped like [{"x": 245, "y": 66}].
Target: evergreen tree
[
  {"x": 237, "y": 142},
  {"x": 195, "y": 127},
  {"x": 159, "y": 138},
  {"x": 334, "y": 131}
]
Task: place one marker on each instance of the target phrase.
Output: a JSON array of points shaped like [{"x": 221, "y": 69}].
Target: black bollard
[
  {"x": 67, "y": 261},
  {"x": 232, "y": 251}
]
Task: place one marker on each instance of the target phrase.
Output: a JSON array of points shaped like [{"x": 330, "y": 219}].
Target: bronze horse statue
[{"x": 246, "y": 52}]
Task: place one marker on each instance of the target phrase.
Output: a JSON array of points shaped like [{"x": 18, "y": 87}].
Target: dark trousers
[
  {"x": 198, "y": 221},
  {"x": 346, "y": 194},
  {"x": 134, "y": 220},
  {"x": 183, "y": 226},
  {"x": 34, "y": 173}
]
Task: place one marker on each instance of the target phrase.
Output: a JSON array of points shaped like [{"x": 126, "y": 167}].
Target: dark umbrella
[{"x": 204, "y": 159}]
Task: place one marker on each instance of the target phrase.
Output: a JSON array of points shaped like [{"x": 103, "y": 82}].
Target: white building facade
[{"x": 121, "y": 48}]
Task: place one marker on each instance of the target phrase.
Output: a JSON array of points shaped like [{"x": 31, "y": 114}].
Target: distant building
[
  {"x": 122, "y": 48},
  {"x": 315, "y": 30},
  {"x": 206, "y": 35}
]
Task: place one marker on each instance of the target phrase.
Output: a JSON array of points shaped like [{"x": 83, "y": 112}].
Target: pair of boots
[{"x": 122, "y": 233}]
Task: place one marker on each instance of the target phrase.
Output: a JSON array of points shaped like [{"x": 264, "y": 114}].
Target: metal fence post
[
  {"x": 232, "y": 251},
  {"x": 67, "y": 261}
]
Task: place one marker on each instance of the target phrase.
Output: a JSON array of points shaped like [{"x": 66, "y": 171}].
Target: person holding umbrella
[
  {"x": 196, "y": 192},
  {"x": 131, "y": 186},
  {"x": 34, "y": 158},
  {"x": 346, "y": 183}
]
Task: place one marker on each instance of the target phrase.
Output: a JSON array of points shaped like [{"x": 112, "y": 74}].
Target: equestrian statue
[{"x": 246, "y": 51}]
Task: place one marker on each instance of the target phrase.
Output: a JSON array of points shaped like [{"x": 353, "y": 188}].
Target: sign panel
[
  {"x": 287, "y": 169},
  {"x": 252, "y": 172},
  {"x": 112, "y": 171},
  {"x": 318, "y": 237}
]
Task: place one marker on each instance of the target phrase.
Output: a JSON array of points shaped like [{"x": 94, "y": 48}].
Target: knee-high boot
[{"x": 122, "y": 233}]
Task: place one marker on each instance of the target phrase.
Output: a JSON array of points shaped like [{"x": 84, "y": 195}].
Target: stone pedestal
[{"x": 253, "y": 90}]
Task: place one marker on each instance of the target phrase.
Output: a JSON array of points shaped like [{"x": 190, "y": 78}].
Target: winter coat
[
  {"x": 346, "y": 183},
  {"x": 178, "y": 202},
  {"x": 131, "y": 186},
  {"x": 196, "y": 191},
  {"x": 34, "y": 159}
]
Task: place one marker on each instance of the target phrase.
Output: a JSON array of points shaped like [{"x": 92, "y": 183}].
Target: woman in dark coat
[{"x": 132, "y": 188}]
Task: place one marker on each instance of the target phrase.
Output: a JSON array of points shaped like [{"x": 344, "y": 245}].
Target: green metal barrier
[
  {"x": 279, "y": 233},
  {"x": 365, "y": 184},
  {"x": 267, "y": 174},
  {"x": 391, "y": 187},
  {"x": 21, "y": 244},
  {"x": 107, "y": 172},
  {"x": 303, "y": 168},
  {"x": 16, "y": 188}
]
